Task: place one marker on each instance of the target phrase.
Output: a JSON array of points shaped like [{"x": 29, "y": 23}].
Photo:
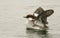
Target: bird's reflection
[{"x": 39, "y": 34}]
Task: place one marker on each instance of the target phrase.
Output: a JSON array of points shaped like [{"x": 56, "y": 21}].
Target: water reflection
[{"x": 39, "y": 34}]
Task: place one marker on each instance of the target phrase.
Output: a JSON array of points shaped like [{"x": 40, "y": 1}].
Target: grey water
[{"x": 12, "y": 23}]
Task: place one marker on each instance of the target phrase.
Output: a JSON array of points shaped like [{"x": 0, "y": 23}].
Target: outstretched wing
[
  {"x": 39, "y": 10},
  {"x": 49, "y": 12}
]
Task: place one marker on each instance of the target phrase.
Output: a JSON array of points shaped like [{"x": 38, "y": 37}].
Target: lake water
[{"x": 12, "y": 23}]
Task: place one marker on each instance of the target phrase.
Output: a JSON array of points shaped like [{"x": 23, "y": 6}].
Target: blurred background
[{"x": 12, "y": 23}]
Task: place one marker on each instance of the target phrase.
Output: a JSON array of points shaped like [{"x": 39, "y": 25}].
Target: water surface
[{"x": 12, "y": 23}]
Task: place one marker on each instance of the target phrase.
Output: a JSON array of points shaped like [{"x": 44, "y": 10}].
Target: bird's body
[{"x": 38, "y": 20}]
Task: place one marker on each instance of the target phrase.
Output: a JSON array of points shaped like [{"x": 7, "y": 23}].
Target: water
[{"x": 12, "y": 23}]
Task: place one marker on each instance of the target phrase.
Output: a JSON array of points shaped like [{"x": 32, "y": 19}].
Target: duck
[
  {"x": 33, "y": 23},
  {"x": 38, "y": 20}
]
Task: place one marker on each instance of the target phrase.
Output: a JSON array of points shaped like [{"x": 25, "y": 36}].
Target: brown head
[{"x": 30, "y": 17}]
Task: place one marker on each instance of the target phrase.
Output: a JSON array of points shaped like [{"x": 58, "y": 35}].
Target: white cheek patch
[
  {"x": 35, "y": 14},
  {"x": 30, "y": 19}
]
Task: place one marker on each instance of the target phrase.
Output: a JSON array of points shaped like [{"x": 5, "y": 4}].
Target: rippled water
[{"x": 12, "y": 23}]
